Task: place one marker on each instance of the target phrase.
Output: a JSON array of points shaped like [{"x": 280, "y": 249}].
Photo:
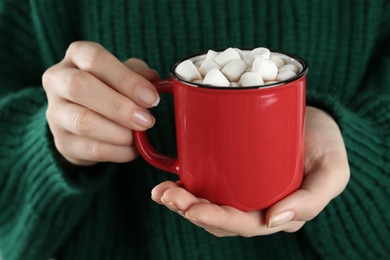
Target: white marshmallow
[
  {"x": 207, "y": 66},
  {"x": 199, "y": 63},
  {"x": 279, "y": 62},
  {"x": 245, "y": 56},
  {"x": 240, "y": 52},
  {"x": 198, "y": 81},
  {"x": 227, "y": 55},
  {"x": 188, "y": 71},
  {"x": 251, "y": 79},
  {"x": 211, "y": 55},
  {"x": 267, "y": 68},
  {"x": 286, "y": 74},
  {"x": 261, "y": 51},
  {"x": 215, "y": 78},
  {"x": 234, "y": 69},
  {"x": 291, "y": 67}
]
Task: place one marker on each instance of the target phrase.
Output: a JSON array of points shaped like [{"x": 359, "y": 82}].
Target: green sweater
[{"x": 48, "y": 209}]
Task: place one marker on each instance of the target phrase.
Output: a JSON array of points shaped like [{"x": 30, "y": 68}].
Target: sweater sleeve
[
  {"x": 40, "y": 199},
  {"x": 357, "y": 223}
]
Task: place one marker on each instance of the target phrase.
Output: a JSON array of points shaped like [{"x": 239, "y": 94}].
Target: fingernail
[
  {"x": 190, "y": 218},
  {"x": 155, "y": 199},
  {"x": 281, "y": 219},
  {"x": 155, "y": 72},
  {"x": 143, "y": 119},
  {"x": 148, "y": 96},
  {"x": 172, "y": 206}
]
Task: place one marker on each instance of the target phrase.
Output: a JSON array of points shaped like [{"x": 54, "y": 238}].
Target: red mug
[{"x": 241, "y": 147}]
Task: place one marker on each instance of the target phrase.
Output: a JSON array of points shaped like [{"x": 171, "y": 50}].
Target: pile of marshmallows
[{"x": 238, "y": 68}]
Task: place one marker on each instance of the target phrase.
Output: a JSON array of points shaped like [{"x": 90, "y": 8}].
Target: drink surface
[{"x": 234, "y": 67}]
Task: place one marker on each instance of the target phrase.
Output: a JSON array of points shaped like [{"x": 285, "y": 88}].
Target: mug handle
[{"x": 148, "y": 152}]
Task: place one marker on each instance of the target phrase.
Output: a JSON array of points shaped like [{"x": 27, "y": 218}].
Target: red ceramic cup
[{"x": 241, "y": 147}]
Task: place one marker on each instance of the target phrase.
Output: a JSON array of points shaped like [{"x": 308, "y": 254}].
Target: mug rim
[{"x": 303, "y": 62}]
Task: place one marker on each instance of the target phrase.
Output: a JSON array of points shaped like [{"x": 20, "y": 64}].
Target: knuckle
[
  {"x": 97, "y": 151},
  {"x": 73, "y": 48},
  {"x": 60, "y": 144},
  {"x": 49, "y": 114},
  {"x": 127, "y": 138},
  {"x": 51, "y": 77},
  {"x": 94, "y": 57},
  {"x": 123, "y": 81},
  {"x": 47, "y": 78},
  {"x": 76, "y": 46},
  {"x": 84, "y": 122},
  {"x": 75, "y": 84},
  {"x": 90, "y": 53},
  {"x": 122, "y": 107}
]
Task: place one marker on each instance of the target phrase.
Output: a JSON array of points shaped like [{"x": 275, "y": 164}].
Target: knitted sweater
[{"x": 48, "y": 209}]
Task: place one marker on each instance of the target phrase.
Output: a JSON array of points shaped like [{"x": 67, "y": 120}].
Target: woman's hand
[
  {"x": 326, "y": 176},
  {"x": 94, "y": 101}
]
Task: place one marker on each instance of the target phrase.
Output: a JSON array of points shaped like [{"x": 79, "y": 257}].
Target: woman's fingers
[
  {"x": 94, "y": 59},
  {"x": 82, "y": 88},
  {"x": 159, "y": 190},
  {"x": 94, "y": 101},
  {"x": 83, "y": 151},
  {"x": 140, "y": 67},
  {"x": 218, "y": 220},
  {"x": 83, "y": 121},
  {"x": 228, "y": 219}
]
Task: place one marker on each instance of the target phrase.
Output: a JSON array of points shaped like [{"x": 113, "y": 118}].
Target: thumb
[
  {"x": 141, "y": 67},
  {"x": 301, "y": 205},
  {"x": 317, "y": 190}
]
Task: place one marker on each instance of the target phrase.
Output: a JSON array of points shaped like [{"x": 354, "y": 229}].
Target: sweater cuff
[
  {"x": 36, "y": 188},
  {"x": 33, "y": 153},
  {"x": 78, "y": 177}
]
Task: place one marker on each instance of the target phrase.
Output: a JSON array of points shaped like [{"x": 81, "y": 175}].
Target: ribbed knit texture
[{"x": 105, "y": 212}]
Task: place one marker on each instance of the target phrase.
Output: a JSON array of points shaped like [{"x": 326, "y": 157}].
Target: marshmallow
[
  {"x": 226, "y": 56},
  {"x": 234, "y": 69},
  {"x": 198, "y": 81},
  {"x": 286, "y": 74},
  {"x": 241, "y": 53},
  {"x": 261, "y": 51},
  {"x": 279, "y": 62},
  {"x": 188, "y": 71},
  {"x": 208, "y": 65},
  {"x": 211, "y": 55},
  {"x": 291, "y": 67},
  {"x": 249, "y": 79},
  {"x": 266, "y": 68},
  {"x": 270, "y": 82},
  {"x": 215, "y": 78},
  {"x": 199, "y": 63}
]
